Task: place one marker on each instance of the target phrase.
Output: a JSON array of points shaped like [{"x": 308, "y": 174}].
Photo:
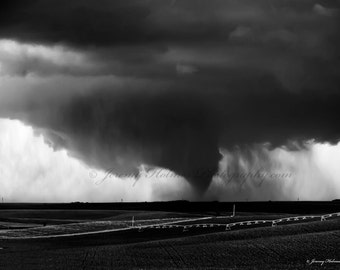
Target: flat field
[{"x": 112, "y": 239}]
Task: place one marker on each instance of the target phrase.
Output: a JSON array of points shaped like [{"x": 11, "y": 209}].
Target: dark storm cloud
[
  {"x": 78, "y": 22},
  {"x": 119, "y": 130},
  {"x": 107, "y": 23},
  {"x": 204, "y": 75}
]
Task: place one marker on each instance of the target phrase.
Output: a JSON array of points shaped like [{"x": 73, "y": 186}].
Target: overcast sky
[{"x": 98, "y": 97}]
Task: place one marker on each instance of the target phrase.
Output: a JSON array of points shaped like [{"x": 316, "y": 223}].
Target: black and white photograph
[{"x": 169, "y": 134}]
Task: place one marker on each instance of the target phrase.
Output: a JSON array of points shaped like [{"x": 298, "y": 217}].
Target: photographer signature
[{"x": 327, "y": 261}]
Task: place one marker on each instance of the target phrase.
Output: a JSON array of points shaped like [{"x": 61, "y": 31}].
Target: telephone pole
[{"x": 234, "y": 210}]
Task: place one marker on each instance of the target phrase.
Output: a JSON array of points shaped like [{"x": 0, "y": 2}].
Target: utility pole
[{"x": 233, "y": 211}]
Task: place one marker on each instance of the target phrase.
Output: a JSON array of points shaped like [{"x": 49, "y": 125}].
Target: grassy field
[
  {"x": 33, "y": 223},
  {"x": 54, "y": 217},
  {"x": 286, "y": 246}
]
